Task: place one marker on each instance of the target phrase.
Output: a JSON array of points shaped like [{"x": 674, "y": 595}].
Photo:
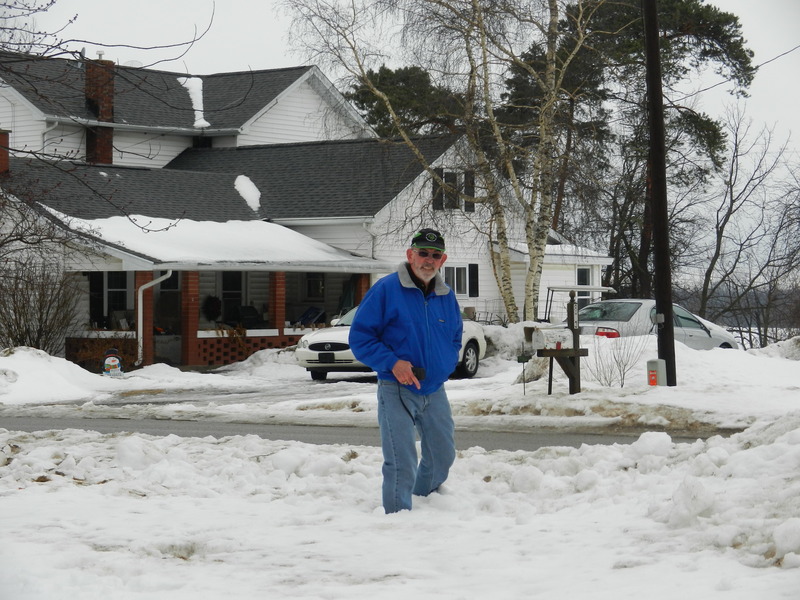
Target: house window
[
  {"x": 110, "y": 297},
  {"x": 463, "y": 280},
  {"x": 315, "y": 286},
  {"x": 232, "y": 294},
  {"x": 584, "y": 277},
  {"x": 448, "y": 197},
  {"x": 456, "y": 278},
  {"x": 116, "y": 291}
]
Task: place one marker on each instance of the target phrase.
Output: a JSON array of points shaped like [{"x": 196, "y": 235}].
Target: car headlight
[{"x": 303, "y": 343}]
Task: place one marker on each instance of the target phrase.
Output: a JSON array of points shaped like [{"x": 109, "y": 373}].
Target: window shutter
[
  {"x": 472, "y": 270},
  {"x": 469, "y": 190},
  {"x": 438, "y": 191}
]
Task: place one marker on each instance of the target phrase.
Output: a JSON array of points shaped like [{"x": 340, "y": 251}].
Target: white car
[
  {"x": 326, "y": 350},
  {"x": 618, "y": 318}
]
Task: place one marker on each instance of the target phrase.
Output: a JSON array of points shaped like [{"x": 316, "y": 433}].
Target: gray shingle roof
[
  {"x": 351, "y": 178},
  {"x": 95, "y": 192},
  {"x": 146, "y": 97}
]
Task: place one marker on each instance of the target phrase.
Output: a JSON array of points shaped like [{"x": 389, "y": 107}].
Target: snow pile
[
  {"x": 786, "y": 349},
  {"x": 248, "y": 191},
  {"x": 30, "y": 376},
  {"x": 133, "y": 516},
  {"x": 123, "y": 516}
]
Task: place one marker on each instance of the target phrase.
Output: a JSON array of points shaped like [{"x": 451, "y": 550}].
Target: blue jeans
[{"x": 401, "y": 415}]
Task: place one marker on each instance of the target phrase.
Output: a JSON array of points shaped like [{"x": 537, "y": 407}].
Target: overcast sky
[{"x": 253, "y": 35}]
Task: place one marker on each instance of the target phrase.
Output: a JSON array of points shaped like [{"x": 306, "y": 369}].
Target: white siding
[
  {"x": 68, "y": 141},
  {"x": 394, "y": 225},
  {"x": 133, "y": 149},
  {"x": 30, "y": 133},
  {"x": 226, "y": 141},
  {"x": 301, "y": 116},
  {"x": 16, "y": 117},
  {"x": 140, "y": 149},
  {"x": 350, "y": 237},
  {"x": 81, "y": 322}
]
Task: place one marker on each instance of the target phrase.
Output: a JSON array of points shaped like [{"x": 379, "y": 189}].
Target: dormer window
[{"x": 448, "y": 197}]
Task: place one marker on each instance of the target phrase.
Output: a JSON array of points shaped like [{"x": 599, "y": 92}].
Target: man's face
[{"x": 425, "y": 262}]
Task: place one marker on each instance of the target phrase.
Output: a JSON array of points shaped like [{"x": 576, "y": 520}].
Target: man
[{"x": 408, "y": 329}]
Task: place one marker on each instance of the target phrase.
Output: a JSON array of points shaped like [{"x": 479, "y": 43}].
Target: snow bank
[{"x": 134, "y": 516}]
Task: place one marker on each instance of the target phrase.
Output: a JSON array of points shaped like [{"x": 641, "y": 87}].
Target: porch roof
[
  {"x": 558, "y": 253},
  {"x": 146, "y": 243}
]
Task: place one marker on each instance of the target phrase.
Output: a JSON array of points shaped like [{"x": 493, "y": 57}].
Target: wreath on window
[{"x": 212, "y": 308}]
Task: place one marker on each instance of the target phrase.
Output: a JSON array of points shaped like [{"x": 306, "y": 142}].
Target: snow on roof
[
  {"x": 571, "y": 253},
  {"x": 207, "y": 245},
  {"x": 194, "y": 85},
  {"x": 561, "y": 254},
  {"x": 249, "y": 191}
]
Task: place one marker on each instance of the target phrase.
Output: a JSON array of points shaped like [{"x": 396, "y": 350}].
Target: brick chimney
[
  {"x": 99, "y": 92},
  {"x": 4, "y": 150}
]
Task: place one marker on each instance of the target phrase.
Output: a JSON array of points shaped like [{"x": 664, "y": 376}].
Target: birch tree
[{"x": 469, "y": 46}]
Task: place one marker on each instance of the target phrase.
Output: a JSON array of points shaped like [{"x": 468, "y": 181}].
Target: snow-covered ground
[{"x": 88, "y": 516}]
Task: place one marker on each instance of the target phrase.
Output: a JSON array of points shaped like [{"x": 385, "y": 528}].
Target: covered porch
[{"x": 203, "y": 304}]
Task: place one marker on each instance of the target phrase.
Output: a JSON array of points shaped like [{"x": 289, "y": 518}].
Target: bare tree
[
  {"x": 611, "y": 360},
  {"x": 19, "y": 32},
  {"x": 38, "y": 298},
  {"x": 39, "y": 305},
  {"x": 469, "y": 46},
  {"x": 753, "y": 246},
  {"x": 18, "y": 29},
  {"x": 743, "y": 264}
]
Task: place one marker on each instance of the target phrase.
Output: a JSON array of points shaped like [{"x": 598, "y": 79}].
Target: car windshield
[
  {"x": 608, "y": 311},
  {"x": 347, "y": 319}
]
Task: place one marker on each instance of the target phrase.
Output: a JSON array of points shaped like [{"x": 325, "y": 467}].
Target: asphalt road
[{"x": 314, "y": 434}]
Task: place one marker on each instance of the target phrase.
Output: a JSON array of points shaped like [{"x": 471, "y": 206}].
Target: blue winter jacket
[{"x": 397, "y": 321}]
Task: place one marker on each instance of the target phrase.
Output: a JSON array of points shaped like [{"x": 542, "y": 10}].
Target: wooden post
[{"x": 662, "y": 270}]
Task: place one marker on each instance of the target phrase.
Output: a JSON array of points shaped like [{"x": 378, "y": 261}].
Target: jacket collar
[{"x": 440, "y": 287}]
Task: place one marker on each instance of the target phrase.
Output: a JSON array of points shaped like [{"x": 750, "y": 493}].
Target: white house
[{"x": 262, "y": 194}]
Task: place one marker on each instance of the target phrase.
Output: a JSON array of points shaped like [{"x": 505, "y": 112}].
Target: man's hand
[{"x": 405, "y": 376}]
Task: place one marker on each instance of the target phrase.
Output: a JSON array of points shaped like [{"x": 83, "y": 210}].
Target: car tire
[
  {"x": 469, "y": 364},
  {"x": 319, "y": 375}
]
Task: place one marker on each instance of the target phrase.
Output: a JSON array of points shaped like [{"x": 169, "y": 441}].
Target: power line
[{"x": 728, "y": 79}]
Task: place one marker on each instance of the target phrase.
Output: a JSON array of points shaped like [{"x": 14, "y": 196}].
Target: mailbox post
[{"x": 568, "y": 358}]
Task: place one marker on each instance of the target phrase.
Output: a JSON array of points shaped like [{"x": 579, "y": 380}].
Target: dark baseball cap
[{"x": 428, "y": 238}]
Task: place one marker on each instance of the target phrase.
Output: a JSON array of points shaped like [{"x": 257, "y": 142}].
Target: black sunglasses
[{"x": 426, "y": 254}]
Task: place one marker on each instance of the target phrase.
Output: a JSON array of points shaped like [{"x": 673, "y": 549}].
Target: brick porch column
[
  {"x": 149, "y": 351},
  {"x": 362, "y": 285},
  {"x": 277, "y": 299},
  {"x": 190, "y": 317}
]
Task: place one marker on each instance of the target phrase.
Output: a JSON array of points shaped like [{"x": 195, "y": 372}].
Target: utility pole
[{"x": 658, "y": 191}]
